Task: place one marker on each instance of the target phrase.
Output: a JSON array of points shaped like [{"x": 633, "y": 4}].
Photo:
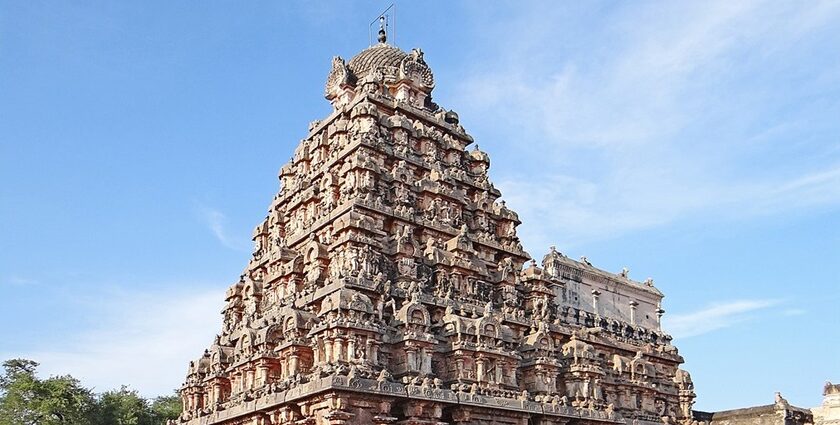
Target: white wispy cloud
[
  {"x": 216, "y": 222},
  {"x": 714, "y": 317},
  {"x": 657, "y": 121},
  {"x": 144, "y": 339}
]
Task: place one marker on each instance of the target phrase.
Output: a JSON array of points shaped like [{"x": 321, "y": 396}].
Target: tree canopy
[{"x": 26, "y": 399}]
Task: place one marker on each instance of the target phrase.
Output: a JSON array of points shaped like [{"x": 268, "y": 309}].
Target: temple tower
[{"x": 387, "y": 286}]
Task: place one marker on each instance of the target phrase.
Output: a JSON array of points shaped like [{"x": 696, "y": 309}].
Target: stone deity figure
[
  {"x": 367, "y": 180},
  {"x": 350, "y": 181},
  {"x": 659, "y": 405},
  {"x": 432, "y": 209},
  {"x": 544, "y": 307},
  {"x": 403, "y": 236},
  {"x": 257, "y": 248},
  {"x": 400, "y": 193},
  {"x": 361, "y": 352},
  {"x": 505, "y": 266},
  {"x": 365, "y": 259},
  {"x": 351, "y": 258},
  {"x": 597, "y": 391},
  {"x": 380, "y": 307},
  {"x": 429, "y": 251},
  {"x": 313, "y": 273},
  {"x": 510, "y": 230},
  {"x": 683, "y": 380},
  {"x": 390, "y": 302}
]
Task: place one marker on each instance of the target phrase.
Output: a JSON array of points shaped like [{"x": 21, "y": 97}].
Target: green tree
[
  {"x": 165, "y": 408},
  {"x": 61, "y": 400},
  {"x": 124, "y": 407},
  {"x": 27, "y": 400}
]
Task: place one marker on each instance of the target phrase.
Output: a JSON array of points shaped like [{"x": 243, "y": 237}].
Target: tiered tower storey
[{"x": 387, "y": 286}]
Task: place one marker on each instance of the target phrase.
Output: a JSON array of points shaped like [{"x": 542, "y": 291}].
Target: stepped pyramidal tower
[{"x": 388, "y": 286}]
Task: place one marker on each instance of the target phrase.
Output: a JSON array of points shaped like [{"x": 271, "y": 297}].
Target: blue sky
[{"x": 696, "y": 143}]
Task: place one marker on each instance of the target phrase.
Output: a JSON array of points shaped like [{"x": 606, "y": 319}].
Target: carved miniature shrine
[{"x": 388, "y": 286}]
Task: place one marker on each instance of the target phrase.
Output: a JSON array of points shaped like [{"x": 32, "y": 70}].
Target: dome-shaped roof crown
[
  {"x": 380, "y": 56},
  {"x": 383, "y": 62}
]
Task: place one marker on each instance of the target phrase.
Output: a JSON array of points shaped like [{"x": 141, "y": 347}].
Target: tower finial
[
  {"x": 386, "y": 21},
  {"x": 383, "y": 36}
]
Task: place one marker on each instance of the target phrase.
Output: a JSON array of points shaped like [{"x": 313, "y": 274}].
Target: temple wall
[{"x": 762, "y": 415}]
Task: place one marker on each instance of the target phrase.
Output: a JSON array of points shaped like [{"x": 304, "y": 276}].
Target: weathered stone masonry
[{"x": 387, "y": 286}]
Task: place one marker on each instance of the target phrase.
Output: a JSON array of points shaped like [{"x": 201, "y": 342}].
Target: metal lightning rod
[{"x": 383, "y": 19}]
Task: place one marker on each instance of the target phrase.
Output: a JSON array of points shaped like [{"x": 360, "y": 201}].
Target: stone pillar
[
  {"x": 234, "y": 383},
  {"x": 262, "y": 374},
  {"x": 595, "y": 295},
  {"x": 659, "y": 313},
  {"x": 293, "y": 365},
  {"x": 249, "y": 379},
  {"x": 217, "y": 393},
  {"x": 512, "y": 375},
  {"x": 539, "y": 380},
  {"x": 425, "y": 361},
  {"x": 410, "y": 359},
  {"x": 479, "y": 370},
  {"x": 328, "y": 357},
  {"x": 351, "y": 348},
  {"x": 499, "y": 372},
  {"x": 338, "y": 349},
  {"x": 371, "y": 352},
  {"x": 633, "y": 305}
]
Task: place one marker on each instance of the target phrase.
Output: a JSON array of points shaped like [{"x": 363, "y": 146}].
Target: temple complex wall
[
  {"x": 829, "y": 412},
  {"x": 762, "y": 415},
  {"x": 779, "y": 413}
]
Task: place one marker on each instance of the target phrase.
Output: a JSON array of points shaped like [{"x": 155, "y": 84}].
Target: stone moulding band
[{"x": 372, "y": 387}]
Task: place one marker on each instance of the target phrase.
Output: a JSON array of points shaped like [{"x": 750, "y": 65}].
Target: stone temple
[{"x": 388, "y": 286}]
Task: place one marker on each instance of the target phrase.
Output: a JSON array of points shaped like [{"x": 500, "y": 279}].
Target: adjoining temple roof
[{"x": 585, "y": 266}]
